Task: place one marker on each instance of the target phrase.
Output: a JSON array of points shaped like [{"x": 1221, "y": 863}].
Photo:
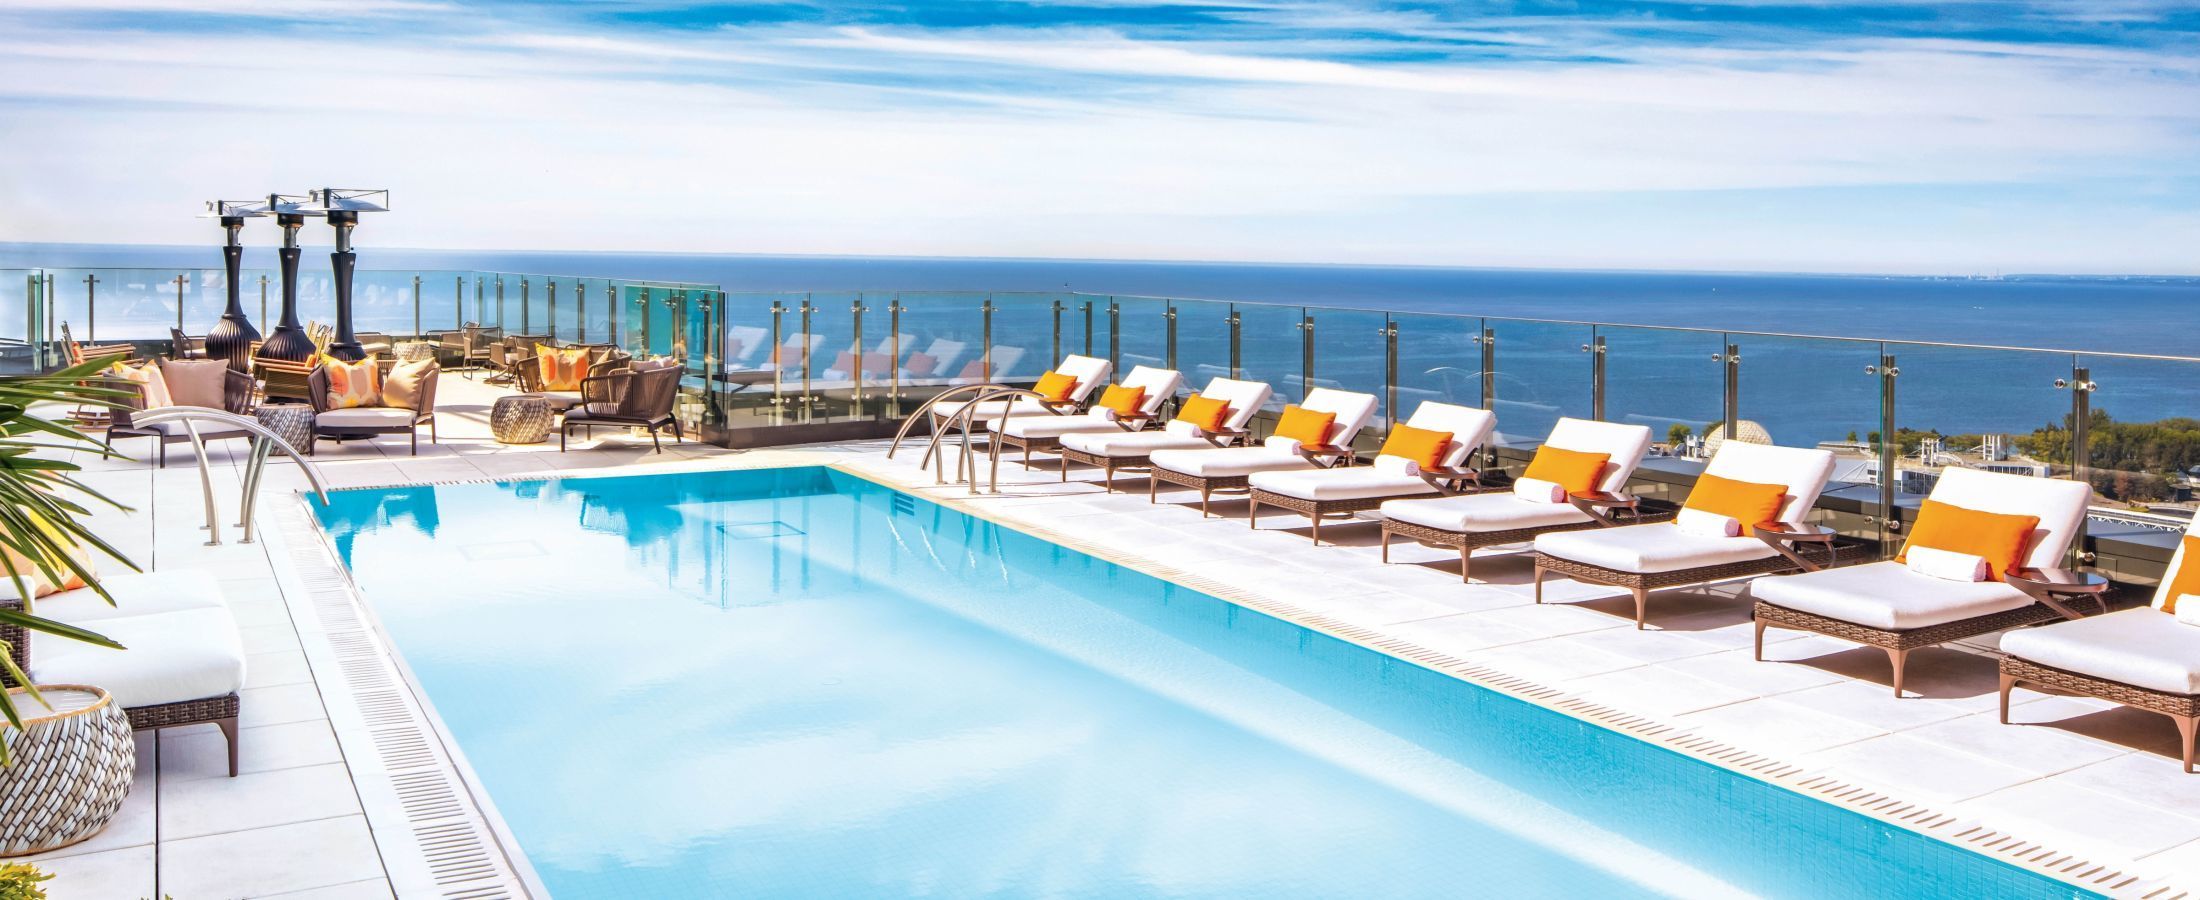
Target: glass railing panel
[
  {"x": 21, "y": 327},
  {"x": 944, "y": 343},
  {"x": 1349, "y": 355},
  {"x": 838, "y": 350},
  {"x": 1137, "y": 333},
  {"x": 1202, "y": 341},
  {"x": 1084, "y": 325},
  {"x": 1821, "y": 393},
  {"x": 1439, "y": 360},
  {"x": 1672, "y": 381},
  {"x": 751, "y": 385},
  {"x": 529, "y": 297},
  {"x": 382, "y": 304},
  {"x": 1542, "y": 375},
  {"x": 119, "y": 305},
  {"x": 1272, "y": 350},
  {"x": 2142, "y": 433},
  {"x": 1024, "y": 338},
  {"x": 2000, "y": 410}
]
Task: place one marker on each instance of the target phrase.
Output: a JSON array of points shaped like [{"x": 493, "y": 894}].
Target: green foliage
[
  {"x": 2130, "y": 461},
  {"x": 42, "y": 508},
  {"x": 20, "y": 881},
  {"x": 1678, "y": 434}
]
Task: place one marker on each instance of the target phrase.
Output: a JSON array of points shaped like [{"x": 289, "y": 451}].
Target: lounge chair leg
[
  {"x": 2008, "y": 681},
  {"x": 562, "y": 432},
  {"x": 163, "y": 453},
  {"x": 1317, "y": 526},
  {"x": 2187, "y": 728},
  {"x": 1539, "y": 582},
  {"x": 1252, "y": 514},
  {"x": 415, "y": 435},
  {"x": 1107, "y": 478},
  {"x": 1642, "y": 606},
  {"x": 1758, "y": 653},
  {"x": 655, "y": 442},
  {"x": 1064, "y": 458},
  {"x": 1900, "y": 658},
  {"x": 1152, "y": 485},
  {"x": 1386, "y": 543},
  {"x": 229, "y": 733},
  {"x": 1466, "y": 559}
]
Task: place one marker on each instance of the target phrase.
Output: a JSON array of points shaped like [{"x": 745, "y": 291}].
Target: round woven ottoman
[
  {"x": 72, "y": 767},
  {"x": 415, "y": 351},
  {"x": 293, "y": 422},
  {"x": 520, "y": 419}
]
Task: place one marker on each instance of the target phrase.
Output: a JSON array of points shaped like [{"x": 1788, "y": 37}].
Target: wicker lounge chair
[
  {"x": 1111, "y": 452},
  {"x": 2143, "y": 658},
  {"x": 81, "y": 353},
  {"x": 1885, "y": 605},
  {"x": 1646, "y": 558},
  {"x": 1228, "y": 469},
  {"x": 1489, "y": 520},
  {"x": 362, "y": 421},
  {"x": 1320, "y": 494},
  {"x": 185, "y": 662},
  {"x": 1044, "y": 433},
  {"x": 638, "y": 396},
  {"x": 1090, "y": 372}
]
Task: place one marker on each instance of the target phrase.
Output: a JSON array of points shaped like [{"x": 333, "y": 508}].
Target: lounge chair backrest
[
  {"x": 744, "y": 342},
  {"x": 1004, "y": 361},
  {"x": 1353, "y": 410},
  {"x": 2176, "y": 561},
  {"x": 2059, "y": 504},
  {"x": 1624, "y": 444},
  {"x": 1469, "y": 427},
  {"x": 1160, "y": 385},
  {"x": 1090, "y": 372},
  {"x": 886, "y": 344},
  {"x": 1245, "y": 398},
  {"x": 1803, "y": 471}
]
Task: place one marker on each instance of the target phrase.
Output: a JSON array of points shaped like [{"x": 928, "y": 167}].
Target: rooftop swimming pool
[{"x": 797, "y": 683}]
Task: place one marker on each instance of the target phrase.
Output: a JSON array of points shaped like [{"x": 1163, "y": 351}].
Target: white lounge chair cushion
[
  {"x": 207, "y": 430},
  {"x": 1131, "y": 443},
  {"x": 2143, "y": 647},
  {"x": 1622, "y": 445},
  {"x": 2060, "y": 506},
  {"x": 1353, "y": 411},
  {"x": 1054, "y": 426},
  {"x": 136, "y": 594},
  {"x": 991, "y": 409},
  {"x": 189, "y": 654},
  {"x": 1658, "y": 547},
  {"x": 365, "y": 417},
  {"x": 1227, "y": 462},
  {"x": 1356, "y": 483},
  {"x": 1483, "y": 512},
  {"x": 1803, "y": 471},
  {"x": 1888, "y": 595}
]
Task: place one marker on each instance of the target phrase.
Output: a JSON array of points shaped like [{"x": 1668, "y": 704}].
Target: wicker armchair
[
  {"x": 362, "y": 421},
  {"x": 527, "y": 372},
  {"x": 237, "y": 389},
  {"x": 639, "y": 397}
]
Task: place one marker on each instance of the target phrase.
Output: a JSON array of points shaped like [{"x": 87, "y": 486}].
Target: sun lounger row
[{"x": 1965, "y": 570}]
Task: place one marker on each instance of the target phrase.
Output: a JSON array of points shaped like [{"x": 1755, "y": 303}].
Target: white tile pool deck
[{"x": 2081, "y": 785}]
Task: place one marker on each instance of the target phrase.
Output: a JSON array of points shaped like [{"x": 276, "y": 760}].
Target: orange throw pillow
[
  {"x": 1746, "y": 502},
  {"x": 1206, "y": 412},
  {"x": 2186, "y": 580},
  {"x": 1573, "y": 470},
  {"x": 1426, "y": 448},
  {"x": 1123, "y": 399},
  {"x": 1999, "y": 538},
  {"x": 352, "y": 384},
  {"x": 1055, "y": 386},
  {"x": 1305, "y": 425}
]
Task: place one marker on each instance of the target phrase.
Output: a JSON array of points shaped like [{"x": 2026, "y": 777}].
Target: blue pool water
[{"x": 795, "y": 683}]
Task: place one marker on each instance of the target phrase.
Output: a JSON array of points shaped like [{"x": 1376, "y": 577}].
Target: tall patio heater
[
  {"x": 289, "y": 343},
  {"x": 343, "y": 206},
  {"x": 231, "y": 338}
]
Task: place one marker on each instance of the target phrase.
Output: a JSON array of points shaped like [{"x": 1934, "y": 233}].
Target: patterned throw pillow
[
  {"x": 35, "y": 581},
  {"x": 352, "y": 384},
  {"x": 561, "y": 370},
  {"x": 147, "y": 377}
]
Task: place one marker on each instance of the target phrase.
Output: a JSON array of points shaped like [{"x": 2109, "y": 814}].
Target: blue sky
[{"x": 1941, "y": 137}]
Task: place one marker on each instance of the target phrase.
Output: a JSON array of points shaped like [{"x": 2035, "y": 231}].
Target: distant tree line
[{"x": 2135, "y": 462}]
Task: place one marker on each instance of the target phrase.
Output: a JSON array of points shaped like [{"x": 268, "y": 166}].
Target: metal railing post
[
  {"x": 417, "y": 329},
  {"x": 1488, "y": 342},
  {"x": 1390, "y": 370},
  {"x": 1169, "y": 314},
  {"x": 180, "y": 280},
  {"x": 1236, "y": 349},
  {"x": 1890, "y": 518},
  {"x": 779, "y": 384},
  {"x": 1115, "y": 334},
  {"x": 807, "y": 397},
  {"x": 894, "y": 309},
  {"x": 611, "y": 301},
  {"x": 553, "y": 299},
  {"x": 91, "y": 308},
  {"x": 500, "y": 306},
  {"x": 1057, "y": 329},
  {"x": 458, "y": 302},
  {"x": 2081, "y": 450},
  {"x": 1088, "y": 333},
  {"x": 856, "y": 309},
  {"x": 1732, "y": 360},
  {"x": 1596, "y": 350},
  {"x": 580, "y": 310},
  {"x": 985, "y": 315},
  {"x": 526, "y": 316},
  {"x": 1306, "y": 353}
]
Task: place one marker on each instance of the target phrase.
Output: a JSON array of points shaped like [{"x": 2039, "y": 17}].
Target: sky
[{"x": 1899, "y": 136}]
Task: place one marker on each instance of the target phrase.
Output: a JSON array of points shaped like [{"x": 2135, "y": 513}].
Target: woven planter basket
[{"x": 71, "y": 769}]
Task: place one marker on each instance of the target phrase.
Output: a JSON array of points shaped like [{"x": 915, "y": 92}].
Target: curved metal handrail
[
  {"x": 262, "y": 441},
  {"x": 918, "y": 416},
  {"x": 962, "y": 420},
  {"x": 1008, "y": 401}
]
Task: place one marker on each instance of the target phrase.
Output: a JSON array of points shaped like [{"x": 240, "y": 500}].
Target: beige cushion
[
  {"x": 365, "y": 417},
  {"x": 1356, "y": 483},
  {"x": 147, "y": 376},
  {"x": 1226, "y": 462},
  {"x": 1130, "y": 443},
  {"x": 207, "y": 430},
  {"x": 1888, "y": 595},
  {"x": 1052, "y": 426},
  {"x": 189, "y": 654},
  {"x": 401, "y": 388},
  {"x": 1650, "y": 548},
  {"x": 2142, "y": 647},
  {"x": 196, "y": 382},
  {"x": 135, "y": 594},
  {"x": 1483, "y": 512}
]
